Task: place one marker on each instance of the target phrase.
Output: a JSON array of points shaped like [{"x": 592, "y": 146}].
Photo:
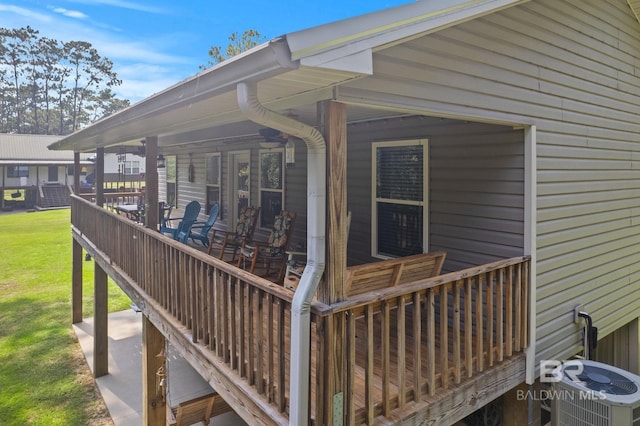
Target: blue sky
[{"x": 156, "y": 43}]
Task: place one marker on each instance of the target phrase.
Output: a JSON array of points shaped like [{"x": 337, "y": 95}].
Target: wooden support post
[
  {"x": 333, "y": 122},
  {"x": 100, "y": 323},
  {"x": 515, "y": 406},
  {"x": 151, "y": 183},
  {"x": 76, "y": 282},
  {"x": 153, "y": 395},
  {"x": 76, "y": 172},
  {"x": 334, "y": 127},
  {"x": 99, "y": 173}
]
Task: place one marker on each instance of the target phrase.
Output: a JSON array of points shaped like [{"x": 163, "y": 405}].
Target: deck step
[{"x": 55, "y": 196}]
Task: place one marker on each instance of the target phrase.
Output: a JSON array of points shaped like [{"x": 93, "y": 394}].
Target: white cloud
[
  {"x": 70, "y": 13},
  {"x": 124, "y": 5},
  {"x": 140, "y": 80},
  {"x": 136, "y": 90},
  {"x": 145, "y": 65},
  {"x": 25, "y": 13},
  {"x": 135, "y": 50}
]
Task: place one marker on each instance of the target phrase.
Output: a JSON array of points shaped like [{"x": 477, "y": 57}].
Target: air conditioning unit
[{"x": 592, "y": 393}]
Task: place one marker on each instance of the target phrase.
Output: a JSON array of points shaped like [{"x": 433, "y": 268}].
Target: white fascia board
[
  {"x": 327, "y": 44},
  {"x": 359, "y": 63}
]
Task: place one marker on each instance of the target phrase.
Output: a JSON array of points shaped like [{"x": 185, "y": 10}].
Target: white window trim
[
  {"x": 130, "y": 166},
  {"x": 282, "y": 172},
  {"x": 206, "y": 173},
  {"x": 425, "y": 193}
]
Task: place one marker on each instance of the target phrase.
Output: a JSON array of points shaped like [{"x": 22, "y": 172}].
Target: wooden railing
[
  {"x": 242, "y": 319},
  {"x": 403, "y": 344},
  {"x": 114, "y": 199},
  {"x": 410, "y": 342}
]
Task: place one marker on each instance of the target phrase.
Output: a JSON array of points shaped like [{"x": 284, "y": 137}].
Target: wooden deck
[{"x": 414, "y": 351}]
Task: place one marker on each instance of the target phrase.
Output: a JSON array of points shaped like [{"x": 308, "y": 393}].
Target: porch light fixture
[
  {"x": 161, "y": 162},
  {"x": 274, "y": 138},
  {"x": 142, "y": 150},
  {"x": 290, "y": 153}
]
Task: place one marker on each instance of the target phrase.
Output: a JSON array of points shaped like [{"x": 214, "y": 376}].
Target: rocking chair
[
  {"x": 274, "y": 251},
  {"x": 296, "y": 262},
  {"x": 230, "y": 242}
]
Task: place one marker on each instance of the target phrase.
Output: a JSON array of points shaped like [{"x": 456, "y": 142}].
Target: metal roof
[
  {"x": 33, "y": 149},
  {"x": 293, "y": 73}
]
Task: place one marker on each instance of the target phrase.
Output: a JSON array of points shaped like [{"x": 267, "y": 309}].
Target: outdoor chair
[
  {"x": 230, "y": 242},
  {"x": 297, "y": 261},
  {"x": 200, "y": 230},
  {"x": 182, "y": 231},
  {"x": 197, "y": 410},
  {"x": 164, "y": 211},
  {"x": 273, "y": 252}
]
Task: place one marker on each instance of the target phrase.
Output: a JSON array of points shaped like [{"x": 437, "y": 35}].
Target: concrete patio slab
[{"x": 121, "y": 389}]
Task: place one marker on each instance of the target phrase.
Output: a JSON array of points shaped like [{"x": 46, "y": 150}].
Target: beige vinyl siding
[
  {"x": 295, "y": 200},
  {"x": 295, "y": 181},
  {"x": 477, "y": 194},
  {"x": 476, "y": 187},
  {"x": 570, "y": 68}
]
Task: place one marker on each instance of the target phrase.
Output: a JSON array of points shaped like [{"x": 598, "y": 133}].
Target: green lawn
[{"x": 44, "y": 379}]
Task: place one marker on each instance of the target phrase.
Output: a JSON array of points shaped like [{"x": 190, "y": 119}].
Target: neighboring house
[
  {"x": 35, "y": 175},
  {"x": 496, "y": 131},
  {"x": 124, "y": 168}
]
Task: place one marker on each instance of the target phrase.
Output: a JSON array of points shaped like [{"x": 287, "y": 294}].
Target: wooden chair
[
  {"x": 181, "y": 233},
  {"x": 274, "y": 250},
  {"x": 200, "y": 230},
  {"x": 297, "y": 261},
  {"x": 361, "y": 279},
  {"x": 230, "y": 242},
  {"x": 197, "y": 410}
]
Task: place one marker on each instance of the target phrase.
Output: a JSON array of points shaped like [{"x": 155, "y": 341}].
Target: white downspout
[{"x": 316, "y": 216}]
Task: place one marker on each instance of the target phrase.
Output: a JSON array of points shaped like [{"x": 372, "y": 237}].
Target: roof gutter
[{"x": 316, "y": 202}]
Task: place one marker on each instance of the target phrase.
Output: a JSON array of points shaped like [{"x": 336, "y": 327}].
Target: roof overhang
[
  {"x": 329, "y": 45},
  {"x": 295, "y": 70}
]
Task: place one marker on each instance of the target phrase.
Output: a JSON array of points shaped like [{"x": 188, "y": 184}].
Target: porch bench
[
  {"x": 392, "y": 272},
  {"x": 197, "y": 410}
]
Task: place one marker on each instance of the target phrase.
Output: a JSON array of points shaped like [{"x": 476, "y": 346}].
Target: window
[
  {"x": 213, "y": 180},
  {"x": 131, "y": 167},
  {"x": 399, "y": 211},
  {"x": 271, "y": 186},
  {"x": 171, "y": 171},
  {"x": 17, "y": 171}
]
